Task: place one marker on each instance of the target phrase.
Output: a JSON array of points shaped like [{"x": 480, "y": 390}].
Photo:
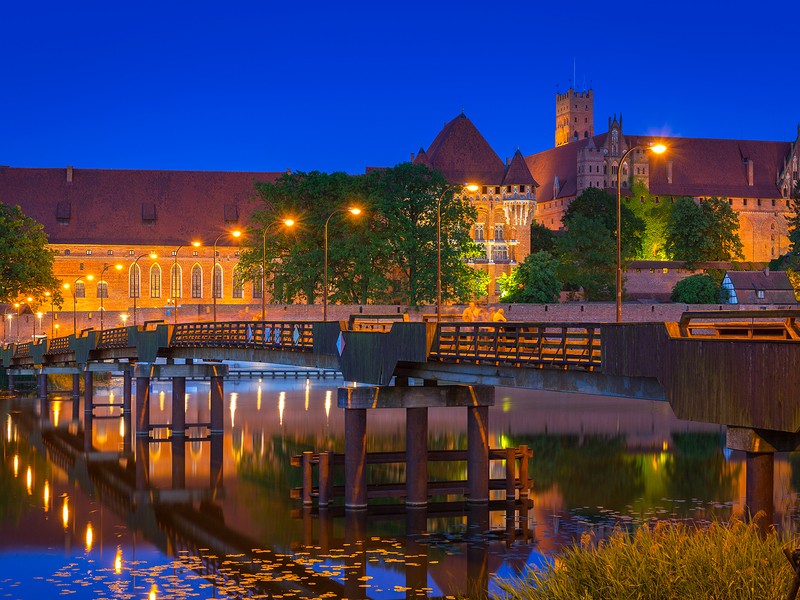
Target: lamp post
[
  {"x": 235, "y": 234},
  {"x": 138, "y": 281},
  {"x": 10, "y": 316},
  {"x": 18, "y": 306},
  {"x": 658, "y": 149},
  {"x": 75, "y": 302},
  {"x": 49, "y": 296},
  {"x": 472, "y": 188},
  {"x": 174, "y": 289},
  {"x": 39, "y": 316},
  {"x": 352, "y": 210},
  {"x": 287, "y": 223},
  {"x": 103, "y": 290}
]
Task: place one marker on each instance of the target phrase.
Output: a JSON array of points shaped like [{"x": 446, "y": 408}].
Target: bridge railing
[
  {"x": 740, "y": 324},
  {"x": 278, "y": 335},
  {"x": 557, "y": 344},
  {"x": 59, "y": 345},
  {"x": 113, "y": 338},
  {"x": 23, "y": 350}
]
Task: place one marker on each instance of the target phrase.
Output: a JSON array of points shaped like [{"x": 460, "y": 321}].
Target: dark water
[{"x": 192, "y": 520}]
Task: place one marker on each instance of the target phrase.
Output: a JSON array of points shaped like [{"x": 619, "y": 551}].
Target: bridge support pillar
[
  {"x": 179, "y": 407},
  {"x": 416, "y": 456},
  {"x": 41, "y": 385},
  {"x": 478, "y": 454},
  {"x": 217, "y": 408},
  {"x": 76, "y": 387},
  {"x": 11, "y": 382},
  {"x": 127, "y": 380},
  {"x": 355, "y": 458},
  {"x": 142, "y": 459},
  {"x": 142, "y": 374},
  {"x": 178, "y": 464}
]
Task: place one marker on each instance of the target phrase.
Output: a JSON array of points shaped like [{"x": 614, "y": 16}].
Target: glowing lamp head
[
  {"x": 196, "y": 244},
  {"x": 658, "y": 148},
  {"x": 288, "y": 222},
  {"x": 153, "y": 255},
  {"x": 355, "y": 210},
  {"x": 29, "y": 299},
  {"x": 90, "y": 277},
  {"x": 471, "y": 187},
  {"x": 236, "y": 233},
  {"x": 118, "y": 267},
  {"x": 66, "y": 286}
]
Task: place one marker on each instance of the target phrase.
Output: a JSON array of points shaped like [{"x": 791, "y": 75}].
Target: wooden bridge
[{"x": 740, "y": 368}]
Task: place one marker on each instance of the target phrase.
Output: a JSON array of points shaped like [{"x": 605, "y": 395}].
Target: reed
[{"x": 720, "y": 561}]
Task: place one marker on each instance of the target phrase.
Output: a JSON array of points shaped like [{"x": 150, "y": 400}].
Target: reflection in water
[{"x": 215, "y": 511}]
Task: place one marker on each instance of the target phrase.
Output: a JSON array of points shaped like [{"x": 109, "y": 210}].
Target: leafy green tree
[
  {"x": 587, "y": 250},
  {"x": 535, "y": 280},
  {"x": 655, "y": 215},
  {"x": 406, "y": 197},
  {"x": 696, "y": 289},
  {"x": 542, "y": 239},
  {"x": 26, "y": 262},
  {"x": 708, "y": 231},
  {"x": 793, "y": 221}
]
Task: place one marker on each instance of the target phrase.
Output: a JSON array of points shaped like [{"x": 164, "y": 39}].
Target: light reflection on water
[{"x": 598, "y": 463}]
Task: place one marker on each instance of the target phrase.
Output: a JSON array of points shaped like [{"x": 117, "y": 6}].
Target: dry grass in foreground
[{"x": 668, "y": 561}]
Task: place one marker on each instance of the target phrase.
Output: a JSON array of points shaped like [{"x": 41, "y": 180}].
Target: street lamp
[
  {"x": 174, "y": 289},
  {"x": 18, "y": 306},
  {"x": 287, "y": 223},
  {"x": 75, "y": 302},
  {"x": 49, "y": 296},
  {"x": 470, "y": 187},
  {"x": 353, "y": 211},
  {"x": 658, "y": 149},
  {"x": 235, "y": 234},
  {"x": 39, "y": 316},
  {"x": 103, "y": 289},
  {"x": 137, "y": 281}
]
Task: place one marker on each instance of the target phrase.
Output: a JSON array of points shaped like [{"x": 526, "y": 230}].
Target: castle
[{"x": 95, "y": 217}]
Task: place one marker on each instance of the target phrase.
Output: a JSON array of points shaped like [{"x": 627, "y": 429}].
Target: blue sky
[{"x": 338, "y": 86}]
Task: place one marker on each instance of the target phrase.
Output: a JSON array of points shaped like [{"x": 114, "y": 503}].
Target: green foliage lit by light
[
  {"x": 708, "y": 231},
  {"x": 535, "y": 280},
  {"x": 655, "y": 215},
  {"x": 696, "y": 289}
]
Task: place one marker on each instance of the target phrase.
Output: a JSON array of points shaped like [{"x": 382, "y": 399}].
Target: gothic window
[
  {"x": 498, "y": 233},
  {"x": 237, "y": 289},
  {"x": 80, "y": 289},
  {"x": 134, "y": 279},
  {"x": 479, "y": 232},
  {"x": 614, "y": 169},
  {"x": 217, "y": 281},
  {"x": 177, "y": 281},
  {"x": 155, "y": 281},
  {"x": 102, "y": 289},
  {"x": 257, "y": 290},
  {"x": 500, "y": 253},
  {"x": 197, "y": 282},
  {"x": 614, "y": 143},
  {"x": 605, "y": 169}
]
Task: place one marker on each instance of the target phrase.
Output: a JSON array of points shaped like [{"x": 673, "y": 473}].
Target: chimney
[
  {"x": 69, "y": 173},
  {"x": 412, "y": 157},
  {"x": 749, "y": 171},
  {"x": 669, "y": 171}
]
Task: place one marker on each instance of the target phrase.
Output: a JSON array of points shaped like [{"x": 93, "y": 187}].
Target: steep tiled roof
[
  {"x": 131, "y": 207},
  {"x": 760, "y": 280},
  {"x": 422, "y": 158},
  {"x": 462, "y": 154},
  {"x": 710, "y": 167},
  {"x": 561, "y": 162},
  {"x": 518, "y": 172}
]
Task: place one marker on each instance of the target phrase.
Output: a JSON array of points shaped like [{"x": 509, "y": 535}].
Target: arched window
[
  {"x": 257, "y": 291},
  {"x": 197, "y": 281},
  {"x": 176, "y": 290},
  {"x": 237, "y": 288},
  {"x": 134, "y": 281},
  {"x": 80, "y": 289},
  {"x": 155, "y": 281},
  {"x": 217, "y": 281},
  {"x": 102, "y": 289}
]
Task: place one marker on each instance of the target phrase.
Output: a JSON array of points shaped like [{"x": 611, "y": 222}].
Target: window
[
  {"x": 131, "y": 252},
  {"x": 237, "y": 288},
  {"x": 155, "y": 281},
  {"x": 88, "y": 253},
  {"x": 773, "y": 202},
  {"x": 497, "y": 191},
  {"x": 134, "y": 279},
  {"x": 257, "y": 291},
  {"x": 758, "y": 202},
  {"x": 194, "y": 252},
  {"x": 66, "y": 252},
  {"x": 197, "y": 282},
  {"x": 760, "y": 294},
  {"x": 102, "y": 289},
  {"x": 500, "y": 252},
  {"x": 217, "y": 281},
  {"x": 498, "y": 233},
  {"x": 508, "y": 189},
  {"x": 80, "y": 289},
  {"x": 111, "y": 253},
  {"x": 744, "y": 202},
  {"x": 479, "y": 232},
  {"x": 176, "y": 290}
]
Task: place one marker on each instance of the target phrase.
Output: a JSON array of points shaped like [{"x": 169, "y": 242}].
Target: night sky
[{"x": 339, "y": 86}]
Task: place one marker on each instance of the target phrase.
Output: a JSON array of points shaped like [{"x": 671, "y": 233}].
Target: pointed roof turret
[
  {"x": 518, "y": 172},
  {"x": 422, "y": 158},
  {"x": 462, "y": 154}
]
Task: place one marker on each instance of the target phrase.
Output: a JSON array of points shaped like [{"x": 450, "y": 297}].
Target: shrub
[{"x": 696, "y": 289}]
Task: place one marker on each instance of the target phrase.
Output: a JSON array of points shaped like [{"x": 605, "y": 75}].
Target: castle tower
[{"x": 574, "y": 116}]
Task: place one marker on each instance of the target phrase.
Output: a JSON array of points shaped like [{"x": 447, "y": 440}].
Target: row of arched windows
[{"x": 176, "y": 283}]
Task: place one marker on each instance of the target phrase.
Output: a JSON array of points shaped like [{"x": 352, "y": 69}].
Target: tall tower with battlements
[{"x": 574, "y": 116}]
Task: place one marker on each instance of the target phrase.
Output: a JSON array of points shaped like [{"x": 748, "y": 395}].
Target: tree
[
  {"x": 708, "y": 231},
  {"x": 405, "y": 197},
  {"x": 696, "y": 289},
  {"x": 26, "y": 263},
  {"x": 793, "y": 221},
  {"x": 542, "y": 239},
  {"x": 655, "y": 215},
  {"x": 535, "y": 280},
  {"x": 587, "y": 250}
]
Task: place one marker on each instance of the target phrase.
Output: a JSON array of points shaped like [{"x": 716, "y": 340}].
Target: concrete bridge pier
[
  {"x": 127, "y": 381},
  {"x": 760, "y": 446},
  {"x": 178, "y": 407},
  {"x": 142, "y": 373},
  {"x": 356, "y": 401},
  {"x": 41, "y": 385},
  {"x": 76, "y": 386},
  {"x": 11, "y": 382}
]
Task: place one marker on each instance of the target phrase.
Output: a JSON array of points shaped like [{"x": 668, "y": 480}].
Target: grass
[{"x": 669, "y": 560}]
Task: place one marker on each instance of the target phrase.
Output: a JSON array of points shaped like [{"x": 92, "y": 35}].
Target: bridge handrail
[
  {"x": 557, "y": 344},
  {"x": 280, "y": 335},
  {"x": 729, "y": 323},
  {"x": 23, "y": 350},
  {"x": 116, "y": 337},
  {"x": 58, "y": 345}
]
